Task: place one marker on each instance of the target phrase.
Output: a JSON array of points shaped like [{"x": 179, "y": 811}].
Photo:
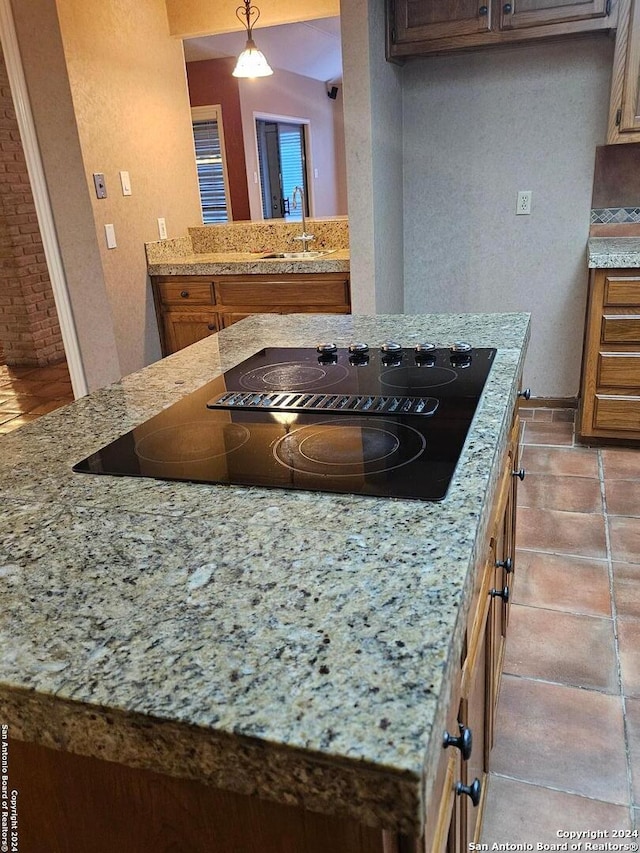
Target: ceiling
[{"x": 310, "y": 48}]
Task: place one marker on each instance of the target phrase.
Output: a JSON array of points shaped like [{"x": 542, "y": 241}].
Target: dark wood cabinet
[
  {"x": 610, "y": 384},
  {"x": 189, "y": 308},
  {"x": 624, "y": 107},
  {"x": 417, "y": 27}
]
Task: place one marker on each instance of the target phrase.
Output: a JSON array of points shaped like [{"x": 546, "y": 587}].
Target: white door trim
[{"x": 20, "y": 94}]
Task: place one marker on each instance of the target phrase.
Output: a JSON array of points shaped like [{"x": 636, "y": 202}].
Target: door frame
[
  {"x": 46, "y": 223},
  {"x": 284, "y": 119}
]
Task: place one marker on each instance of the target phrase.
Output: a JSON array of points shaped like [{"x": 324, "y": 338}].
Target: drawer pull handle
[
  {"x": 483, "y": 10},
  {"x": 500, "y": 593},
  {"x": 525, "y": 393},
  {"x": 507, "y": 8},
  {"x": 507, "y": 565},
  {"x": 211, "y": 327},
  {"x": 519, "y": 474},
  {"x": 473, "y": 791},
  {"x": 464, "y": 742},
  {"x": 185, "y": 294}
]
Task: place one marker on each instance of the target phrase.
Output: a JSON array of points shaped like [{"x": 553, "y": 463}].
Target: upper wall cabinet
[
  {"x": 417, "y": 27},
  {"x": 624, "y": 111}
]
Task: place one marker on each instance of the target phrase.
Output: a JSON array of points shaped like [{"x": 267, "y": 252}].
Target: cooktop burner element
[
  {"x": 349, "y": 446},
  {"x": 381, "y": 420}
]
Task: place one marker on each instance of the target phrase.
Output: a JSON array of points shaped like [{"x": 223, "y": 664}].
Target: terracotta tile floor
[
  {"x": 28, "y": 392},
  {"x": 567, "y": 744}
]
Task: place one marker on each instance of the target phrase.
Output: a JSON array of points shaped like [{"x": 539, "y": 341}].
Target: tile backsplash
[{"x": 615, "y": 204}]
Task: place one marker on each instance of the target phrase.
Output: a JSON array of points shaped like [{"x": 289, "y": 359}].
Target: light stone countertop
[
  {"x": 294, "y": 645},
  {"x": 614, "y": 252},
  {"x": 248, "y": 263}
]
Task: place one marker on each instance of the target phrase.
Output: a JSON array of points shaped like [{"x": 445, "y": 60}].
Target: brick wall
[{"x": 29, "y": 329}]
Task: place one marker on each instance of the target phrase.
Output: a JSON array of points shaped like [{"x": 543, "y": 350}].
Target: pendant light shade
[{"x": 251, "y": 62}]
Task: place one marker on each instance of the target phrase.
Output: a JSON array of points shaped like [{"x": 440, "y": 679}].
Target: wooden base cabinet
[
  {"x": 610, "y": 385},
  {"x": 189, "y": 308},
  {"x": 468, "y": 740},
  {"x": 418, "y": 27}
]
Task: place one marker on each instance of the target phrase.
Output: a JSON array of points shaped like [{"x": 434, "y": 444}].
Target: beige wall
[
  {"x": 373, "y": 134},
  {"x": 189, "y": 18},
  {"x": 290, "y": 96},
  {"x": 477, "y": 129},
  {"x": 126, "y": 108},
  {"x": 52, "y": 106}
]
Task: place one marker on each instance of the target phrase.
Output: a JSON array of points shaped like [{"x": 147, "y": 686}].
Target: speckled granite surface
[
  {"x": 243, "y": 263},
  {"x": 614, "y": 252},
  {"x": 298, "y": 646},
  {"x": 237, "y": 248}
]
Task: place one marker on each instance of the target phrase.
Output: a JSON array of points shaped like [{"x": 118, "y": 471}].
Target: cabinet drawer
[
  {"x": 619, "y": 413},
  {"x": 622, "y": 290},
  {"x": 320, "y": 291},
  {"x": 185, "y": 293},
  {"x": 620, "y": 329},
  {"x": 618, "y": 370}
]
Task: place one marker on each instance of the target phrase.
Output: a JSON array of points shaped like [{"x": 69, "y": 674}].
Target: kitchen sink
[{"x": 297, "y": 256}]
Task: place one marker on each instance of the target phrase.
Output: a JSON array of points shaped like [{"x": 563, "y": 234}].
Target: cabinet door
[
  {"x": 534, "y": 13},
  {"x": 629, "y": 116},
  {"x": 426, "y": 20},
  {"x": 183, "y": 328}
]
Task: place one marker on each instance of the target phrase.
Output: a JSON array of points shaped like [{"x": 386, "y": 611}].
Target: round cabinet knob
[
  {"x": 464, "y": 742},
  {"x": 184, "y": 294},
  {"x": 483, "y": 10},
  {"x": 500, "y": 593},
  {"x": 507, "y": 565},
  {"x": 211, "y": 327},
  {"x": 391, "y": 347},
  {"x": 326, "y": 348},
  {"x": 507, "y": 8},
  {"x": 473, "y": 791},
  {"x": 358, "y": 348},
  {"x": 525, "y": 393},
  {"x": 521, "y": 474},
  {"x": 460, "y": 347}
]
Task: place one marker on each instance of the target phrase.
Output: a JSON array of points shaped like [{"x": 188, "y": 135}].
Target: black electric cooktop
[{"x": 383, "y": 420}]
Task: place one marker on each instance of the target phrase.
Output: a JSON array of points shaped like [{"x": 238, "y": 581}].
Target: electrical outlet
[
  {"x": 162, "y": 228},
  {"x": 523, "y": 205}
]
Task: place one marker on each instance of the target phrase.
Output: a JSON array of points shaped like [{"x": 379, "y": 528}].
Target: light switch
[
  {"x": 99, "y": 184},
  {"x": 126, "y": 183},
  {"x": 110, "y": 234},
  {"x": 162, "y": 228}
]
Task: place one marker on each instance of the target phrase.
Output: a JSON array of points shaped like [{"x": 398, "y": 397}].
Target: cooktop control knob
[
  {"x": 326, "y": 348},
  {"x": 391, "y": 347},
  {"x": 422, "y": 349},
  {"x": 460, "y": 346},
  {"x": 358, "y": 348}
]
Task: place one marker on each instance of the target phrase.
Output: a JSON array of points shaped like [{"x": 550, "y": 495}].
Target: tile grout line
[{"x": 614, "y": 615}]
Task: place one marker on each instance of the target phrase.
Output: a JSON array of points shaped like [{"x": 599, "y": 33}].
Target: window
[{"x": 208, "y": 138}]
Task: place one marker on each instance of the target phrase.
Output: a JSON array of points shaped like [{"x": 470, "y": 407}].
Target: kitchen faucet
[{"x": 306, "y": 238}]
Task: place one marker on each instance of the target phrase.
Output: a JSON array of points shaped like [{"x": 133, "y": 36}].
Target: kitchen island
[{"x": 295, "y": 654}]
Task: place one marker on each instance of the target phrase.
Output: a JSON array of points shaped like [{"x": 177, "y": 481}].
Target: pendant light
[{"x": 251, "y": 62}]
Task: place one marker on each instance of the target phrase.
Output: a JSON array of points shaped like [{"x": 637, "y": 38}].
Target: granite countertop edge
[
  {"x": 379, "y": 790},
  {"x": 613, "y": 252},
  {"x": 234, "y": 263}
]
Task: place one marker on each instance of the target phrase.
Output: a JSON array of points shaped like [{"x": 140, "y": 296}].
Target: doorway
[{"x": 282, "y": 160}]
